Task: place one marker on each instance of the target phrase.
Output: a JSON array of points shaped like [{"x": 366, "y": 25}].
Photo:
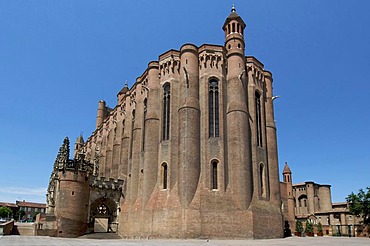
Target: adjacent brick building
[
  {"x": 312, "y": 201},
  {"x": 31, "y": 209}
]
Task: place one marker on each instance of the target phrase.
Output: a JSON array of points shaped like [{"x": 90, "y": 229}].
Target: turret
[
  {"x": 78, "y": 145},
  {"x": 290, "y": 198},
  {"x": 122, "y": 93},
  {"x": 102, "y": 109},
  {"x": 238, "y": 135},
  {"x": 234, "y": 34},
  {"x": 189, "y": 122},
  {"x": 287, "y": 174},
  {"x": 72, "y": 199},
  {"x": 271, "y": 141},
  {"x": 152, "y": 129},
  {"x": 137, "y": 114}
]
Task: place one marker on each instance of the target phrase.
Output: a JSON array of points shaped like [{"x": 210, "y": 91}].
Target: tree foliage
[
  {"x": 20, "y": 214},
  {"x": 359, "y": 204},
  {"x": 5, "y": 212},
  {"x": 319, "y": 227},
  {"x": 309, "y": 227},
  {"x": 298, "y": 226}
]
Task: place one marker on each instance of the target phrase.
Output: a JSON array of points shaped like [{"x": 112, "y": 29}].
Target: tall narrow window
[
  {"x": 258, "y": 119},
  {"x": 262, "y": 179},
  {"x": 123, "y": 128},
  {"x": 145, "y": 110},
  {"x": 132, "y": 131},
  {"x": 164, "y": 175},
  {"x": 166, "y": 112},
  {"x": 213, "y": 109},
  {"x": 145, "y": 107},
  {"x": 214, "y": 175}
]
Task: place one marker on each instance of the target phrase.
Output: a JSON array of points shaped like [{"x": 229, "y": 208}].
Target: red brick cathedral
[{"x": 189, "y": 151}]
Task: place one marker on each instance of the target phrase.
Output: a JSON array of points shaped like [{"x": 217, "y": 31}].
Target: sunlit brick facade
[{"x": 191, "y": 147}]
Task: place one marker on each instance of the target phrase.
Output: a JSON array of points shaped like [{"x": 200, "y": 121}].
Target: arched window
[
  {"x": 214, "y": 175},
  {"x": 214, "y": 129},
  {"x": 302, "y": 201},
  {"x": 166, "y": 112},
  {"x": 164, "y": 176},
  {"x": 233, "y": 26},
  {"x": 257, "y": 100},
  {"x": 286, "y": 178}
]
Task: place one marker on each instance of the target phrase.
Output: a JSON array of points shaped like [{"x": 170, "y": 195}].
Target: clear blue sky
[{"x": 59, "y": 58}]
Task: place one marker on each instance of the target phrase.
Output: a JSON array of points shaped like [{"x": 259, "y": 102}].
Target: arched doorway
[{"x": 103, "y": 215}]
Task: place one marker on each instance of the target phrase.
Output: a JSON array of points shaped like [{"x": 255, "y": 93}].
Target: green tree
[
  {"x": 319, "y": 227},
  {"x": 5, "y": 212},
  {"x": 309, "y": 227},
  {"x": 298, "y": 226},
  {"x": 20, "y": 214},
  {"x": 359, "y": 204}
]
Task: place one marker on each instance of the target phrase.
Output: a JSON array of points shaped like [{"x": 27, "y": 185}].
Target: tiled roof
[
  {"x": 286, "y": 168},
  {"x": 8, "y": 204},
  {"x": 30, "y": 204}
]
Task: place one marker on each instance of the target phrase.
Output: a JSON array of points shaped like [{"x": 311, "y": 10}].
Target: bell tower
[
  {"x": 234, "y": 34},
  {"x": 287, "y": 174}
]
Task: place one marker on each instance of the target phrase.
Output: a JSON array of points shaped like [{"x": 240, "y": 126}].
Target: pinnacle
[{"x": 286, "y": 168}]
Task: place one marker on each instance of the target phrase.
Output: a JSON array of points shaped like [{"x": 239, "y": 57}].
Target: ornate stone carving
[
  {"x": 63, "y": 155},
  {"x": 211, "y": 60},
  {"x": 170, "y": 65}
]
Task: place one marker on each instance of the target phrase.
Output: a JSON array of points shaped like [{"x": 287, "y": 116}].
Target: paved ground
[{"x": 306, "y": 241}]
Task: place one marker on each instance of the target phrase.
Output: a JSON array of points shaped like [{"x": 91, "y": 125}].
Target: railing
[{"x": 6, "y": 228}]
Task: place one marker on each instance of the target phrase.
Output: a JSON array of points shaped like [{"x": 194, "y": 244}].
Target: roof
[
  {"x": 339, "y": 204},
  {"x": 286, "y": 168},
  {"x": 30, "y": 204},
  {"x": 80, "y": 139},
  {"x": 8, "y": 204},
  {"x": 311, "y": 182},
  {"x": 234, "y": 16},
  {"x": 123, "y": 90}
]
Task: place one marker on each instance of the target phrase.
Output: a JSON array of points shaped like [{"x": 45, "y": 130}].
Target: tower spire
[
  {"x": 233, "y": 8},
  {"x": 286, "y": 169},
  {"x": 234, "y": 24}
]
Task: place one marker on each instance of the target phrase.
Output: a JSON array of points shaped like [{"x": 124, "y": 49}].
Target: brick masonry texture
[{"x": 194, "y": 142}]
